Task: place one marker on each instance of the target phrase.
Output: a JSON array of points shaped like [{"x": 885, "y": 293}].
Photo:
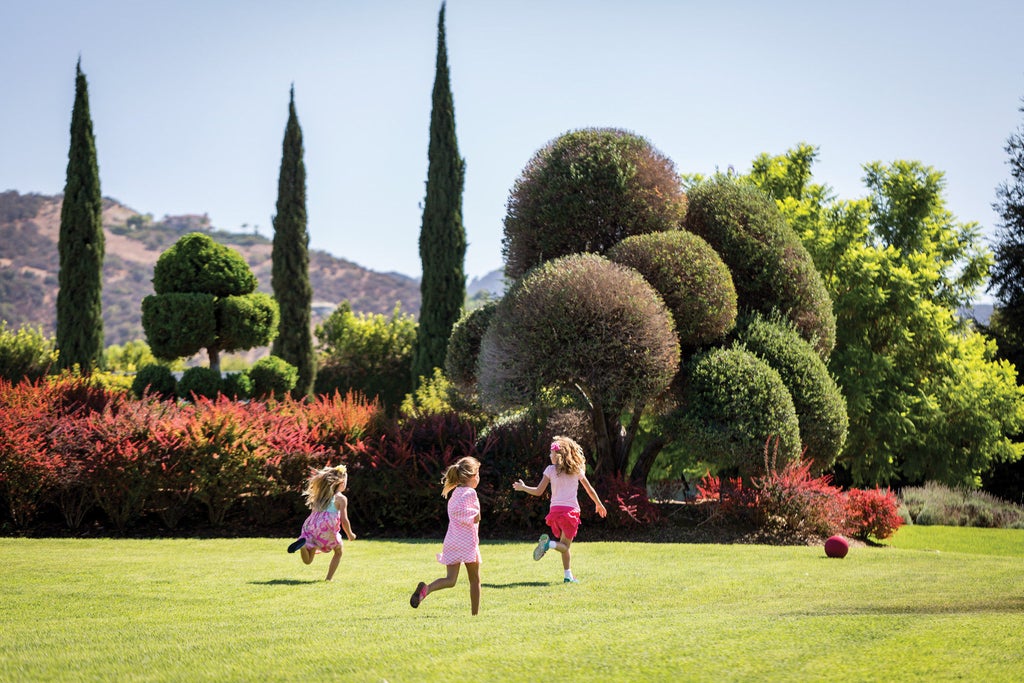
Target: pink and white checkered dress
[{"x": 462, "y": 542}]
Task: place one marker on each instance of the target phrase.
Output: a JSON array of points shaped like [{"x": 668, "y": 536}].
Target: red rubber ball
[{"x": 836, "y": 546}]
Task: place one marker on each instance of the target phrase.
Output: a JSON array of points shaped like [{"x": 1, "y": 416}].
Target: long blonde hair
[
  {"x": 458, "y": 474},
  {"x": 323, "y": 485},
  {"x": 569, "y": 459}
]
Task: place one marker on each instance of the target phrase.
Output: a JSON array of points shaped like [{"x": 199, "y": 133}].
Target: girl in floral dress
[
  {"x": 462, "y": 542},
  {"x": 321, "y": 532}
]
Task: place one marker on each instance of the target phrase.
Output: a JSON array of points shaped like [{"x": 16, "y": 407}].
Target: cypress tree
[
  {"x": 442, "y": 237},
  {"x": 81, "y": 244},
  {"x": 290, "y": 259}
]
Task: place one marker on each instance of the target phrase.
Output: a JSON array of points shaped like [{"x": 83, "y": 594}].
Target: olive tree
[{"x": 205, "y": 298}]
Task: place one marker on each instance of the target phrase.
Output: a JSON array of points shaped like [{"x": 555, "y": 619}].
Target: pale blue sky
[{"x": 189, "y": 98}]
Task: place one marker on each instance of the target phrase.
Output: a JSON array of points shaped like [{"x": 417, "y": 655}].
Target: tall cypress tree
[
  {"x": 290, "y": 259},
  {"x": 442, "y": 237},
  {"x": 81, "y": 244}
]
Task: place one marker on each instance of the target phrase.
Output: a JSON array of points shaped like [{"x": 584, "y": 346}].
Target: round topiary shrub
[
  {"x": 820, "y": 406},
  {"x": 733, "y": 403},
  {"x": 237, "y": 385},
  {"x": 691, "y": 278},
  {"x": 156, "y": 380},
  {"x": 272, "y": 377},
  {"x": 586, "y": 191},
  {"x": 197, "y": 263},
  {"x": 199, "y": 381},
  {"x": 460, "y": 361},
  {"x": 770, "y": 267},
  {"x": 578, "y": 322}
]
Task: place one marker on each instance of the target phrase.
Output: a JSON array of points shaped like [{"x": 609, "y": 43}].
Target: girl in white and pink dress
[
  {"x": 462, "y": 542},
  {"x": 321, "y": 532},
  {"x": 568, "y": 469}
]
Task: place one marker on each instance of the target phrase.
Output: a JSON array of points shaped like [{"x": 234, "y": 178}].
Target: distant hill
[{"x": 29, "y": 264}]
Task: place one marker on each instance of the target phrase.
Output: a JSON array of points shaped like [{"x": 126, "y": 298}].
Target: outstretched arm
[
  {"x": 341, "y": 502},
  {"x": 532, "y": 490},
  {"x": 593, "y": 496}
]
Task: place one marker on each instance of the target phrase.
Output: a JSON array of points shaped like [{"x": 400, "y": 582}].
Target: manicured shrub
[
  {"x": 691, "y": 278},
  {"x": 199, "y": 382},
  {"x": 584, "y": 192},
  {"x": 273, "y": 377},
  {"x": 460, "y": 363},
  {"x": 733, "y": 403},
  {"x": 237, "y": 385},
  {"x": 819, "y": 404},
  {"x": 770, "y": 267},
  {"x": 872, "y": 512},
  {"x": 156, "y": 380}
]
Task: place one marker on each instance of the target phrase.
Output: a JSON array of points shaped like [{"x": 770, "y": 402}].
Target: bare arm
[
  {"x": 341, "y": 502},
  {"x": 601, "y": 511},
  {"x": 532, "y": 490}
]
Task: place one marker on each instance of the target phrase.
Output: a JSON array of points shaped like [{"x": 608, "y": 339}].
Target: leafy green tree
[
  {"x": 897, "y": 266},
  {"x": 369, "y": 353},
  {"x": 81, "y": 244},
  {"x": 1007, "y": 275},
  {"x": 205, "y": 298},
  {"x": 442, "y": 236},
  {"x": 586, "y": 191},
  {"x": 290, "y": 260},
  {"x": 25, "y": 354}
]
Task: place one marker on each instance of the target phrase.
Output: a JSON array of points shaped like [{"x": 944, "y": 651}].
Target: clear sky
[{"x": 189, "y": 99}]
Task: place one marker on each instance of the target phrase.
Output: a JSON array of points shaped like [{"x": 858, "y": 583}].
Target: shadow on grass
[
  {"x": 518, "y": 584},
  {"x": 1011, "y": 605},
  {"x": 285, "y": 582}
]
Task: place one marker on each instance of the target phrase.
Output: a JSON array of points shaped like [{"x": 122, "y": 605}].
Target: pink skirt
[{"x": 322, "y": 531}]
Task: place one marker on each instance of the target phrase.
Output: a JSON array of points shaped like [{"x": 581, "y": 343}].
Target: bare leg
[
  {"x": 335, "y": 561},
  {"x": 447, "y": 582},
  {"x": 562, "y": 547},
  {"x": 307, "y": 555},
  {"x": 473, "y": 571}
]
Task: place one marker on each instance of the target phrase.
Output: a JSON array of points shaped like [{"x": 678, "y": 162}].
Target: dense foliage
[
  {"x": 26, "y": 353},
  {"x": 586, "y": 191},
  {"x": 442, "y": 237},
  {"x": 290, "y": 260},
  {"x": 205, "y": 298},
  {"x": 81, "y": 244}
]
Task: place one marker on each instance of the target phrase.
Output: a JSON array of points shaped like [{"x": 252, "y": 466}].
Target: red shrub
[
  {"x": 872, "y": 512},
  {"x": 627, "y": 504}
]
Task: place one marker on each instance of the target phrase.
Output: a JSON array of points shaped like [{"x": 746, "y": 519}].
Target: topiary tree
[
  {"x": 586, "y": 191},
  {"x": 205, "y": 298},
  {"x": 272, "y": 377},
  {"x": 770, "y": 267},
  {"x": 691, "y": 278},
  {"x": 460, "y": 363},
  {"x": 587, "y": 327},
  {"x": 155, "y": 379},
  {"x": 819, "y": 404},
  {"x": 734, "y": 402}
]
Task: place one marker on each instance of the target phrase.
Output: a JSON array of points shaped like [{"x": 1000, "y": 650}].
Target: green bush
[
  {"x": 820, "y": 406},
  {"x": 199, "y": 381},
  {"x": 584, "y": 192},
  {"x": 691, "y": 278},
  {"x": 155, "y": 379},
  {"x": 460, "y": 362},
  {"x": 197, "y": 263},
  {"x": 273, "y": 376},
  {"x": 771, "y": 268},
  {"x": 237, "y": 385},
  {"x": 25, "y": 354},
  {"x": 733, "y": 403}
]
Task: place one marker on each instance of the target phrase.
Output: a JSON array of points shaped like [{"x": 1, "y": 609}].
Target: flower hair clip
[{"x": 555, "y": 447}]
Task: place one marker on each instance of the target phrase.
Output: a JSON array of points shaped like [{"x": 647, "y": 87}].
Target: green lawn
[{"x": 934, "y": 604}]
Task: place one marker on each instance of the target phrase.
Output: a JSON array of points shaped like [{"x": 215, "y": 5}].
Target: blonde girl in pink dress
[
  {"x": 462, "y": 542},
  {"x": 568, "y": 469},
  {"x": 321, "y": 532}
]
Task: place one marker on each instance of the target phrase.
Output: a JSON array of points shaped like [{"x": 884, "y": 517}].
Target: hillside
[{"x": 29, "y": 263}]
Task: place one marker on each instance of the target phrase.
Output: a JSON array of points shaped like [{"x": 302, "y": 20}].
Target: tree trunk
[
  {"x": 642, "y": 468},
  {"x": 214, "y": 355}
]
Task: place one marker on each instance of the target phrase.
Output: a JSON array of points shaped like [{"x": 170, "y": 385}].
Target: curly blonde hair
[
  {"x": 458, "y": 474},
  {"x": 323, "y": 485},
  {"x": 570, "y": 458}
]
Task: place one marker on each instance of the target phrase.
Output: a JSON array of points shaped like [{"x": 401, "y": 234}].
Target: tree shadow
[
  {"x": 285, "y": 582},
  {"x": 517, "y": 584}
]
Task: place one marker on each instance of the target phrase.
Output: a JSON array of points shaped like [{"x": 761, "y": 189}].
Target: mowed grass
[{"x": 934, "y": 604}]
